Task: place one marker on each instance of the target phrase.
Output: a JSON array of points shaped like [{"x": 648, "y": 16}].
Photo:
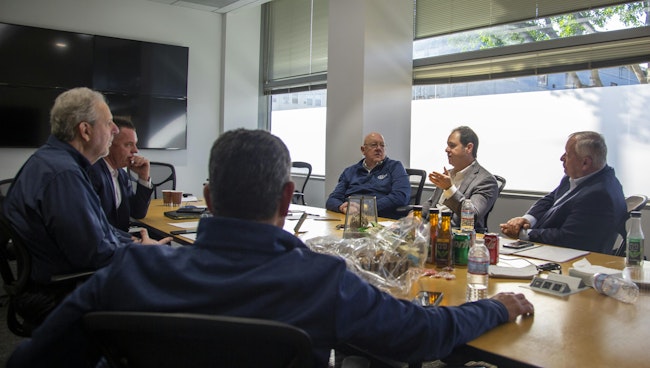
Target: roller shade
[
  {"x": 439, "y": 17},
  {"x": 569, "y": 54},
  {"x": 296, "y": 43}
]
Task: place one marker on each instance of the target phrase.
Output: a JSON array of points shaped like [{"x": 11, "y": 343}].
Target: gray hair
[
  {"x": 71, "y": 108},
  {"x": 591, "y": 144},
  {"x": 248, "y": 170}
]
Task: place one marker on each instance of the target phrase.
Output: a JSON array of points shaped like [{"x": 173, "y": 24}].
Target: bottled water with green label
[{"x": 635, "y": 251}]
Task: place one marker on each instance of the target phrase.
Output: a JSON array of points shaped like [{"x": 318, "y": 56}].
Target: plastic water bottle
[
  {"x": 467, "y": 215},
  {"x": 635, "y": 251},
  {"x": 616, "y": 287},
  {"x": 478, "y": 261}
]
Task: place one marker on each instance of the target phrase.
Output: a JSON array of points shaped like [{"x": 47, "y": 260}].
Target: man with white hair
[{"x": 586, "y": 211}]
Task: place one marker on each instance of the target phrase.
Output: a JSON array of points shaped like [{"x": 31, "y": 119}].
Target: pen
[{"x": 187, "y": 231}]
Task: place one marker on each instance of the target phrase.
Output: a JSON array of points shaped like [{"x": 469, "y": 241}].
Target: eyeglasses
[{"x": 375, "y": 145}]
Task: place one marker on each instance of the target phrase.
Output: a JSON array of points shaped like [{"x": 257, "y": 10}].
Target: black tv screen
[
  {"x": 143, "y": 80},
  {"x": 127, "y": 66},
  {"x": 159, "y": 122},
  {"x": 45, "y": 58},
  {"x": 24, "y": 120}
]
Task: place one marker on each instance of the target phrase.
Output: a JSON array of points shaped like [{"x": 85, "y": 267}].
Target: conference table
[{"x": 584, "y": 329}]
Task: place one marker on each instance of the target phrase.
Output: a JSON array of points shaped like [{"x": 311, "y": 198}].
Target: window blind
[
  {"x": 568, "y": 54},
  {"x": 296, "y": 44},
  {"x": 440, "y": 17}
]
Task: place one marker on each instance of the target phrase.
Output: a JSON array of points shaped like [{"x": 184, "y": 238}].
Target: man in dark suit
[
  {"x": 586, "y": 211},
  {"x": 113, "y": 184},
  {"x": 467, "y": 179}
]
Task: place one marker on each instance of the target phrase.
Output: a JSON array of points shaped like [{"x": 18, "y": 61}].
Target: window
[
  {"x": 501, "y": 67},
  {"x": 301, "y": 125}
]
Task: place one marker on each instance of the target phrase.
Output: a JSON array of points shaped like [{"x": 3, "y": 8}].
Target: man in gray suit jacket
[{"x": 466, "y": 180}]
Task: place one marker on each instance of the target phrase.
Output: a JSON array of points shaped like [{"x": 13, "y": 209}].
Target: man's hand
[
  {"x": 140, "y": 165},
  {"x": 514, "y": 226},
  {"x": 146, "y": 240},
  {"x": 441, "y": 180},
  {"x": 516, "y": 304}
]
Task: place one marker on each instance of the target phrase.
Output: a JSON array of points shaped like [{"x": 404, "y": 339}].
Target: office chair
[
  {"x": 163, "y": 176},
  {"x": 302, "y": 172},
  {"x": 26, "y": 307},
  {"x": 416, "y": 191},
  {"x": 149, "y": 339},
  {"x": 634, "y": 203},
  {"x": 4, "y": 186},
  {"x": 501, "y": 182}
]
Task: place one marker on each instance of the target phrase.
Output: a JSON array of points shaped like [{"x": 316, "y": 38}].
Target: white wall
[
  {"x": 152, "y": 22},
  {"x": 241, "y": 69}
]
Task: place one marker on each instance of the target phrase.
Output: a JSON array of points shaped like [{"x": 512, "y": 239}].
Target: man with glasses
[{"x": 374, "y": 175}]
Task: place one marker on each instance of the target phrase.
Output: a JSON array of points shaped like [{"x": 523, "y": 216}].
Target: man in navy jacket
[
  {"x": 244, "y": 264},
  {"x": 112, "y": 183},
  {"x": 375, "y": 175},
  {"x": 586, "y": 211}
]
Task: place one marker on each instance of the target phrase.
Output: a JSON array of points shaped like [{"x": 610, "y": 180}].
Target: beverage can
[
  {"x": 491, "y": 241},
  {"x": 461, "y": 248}
]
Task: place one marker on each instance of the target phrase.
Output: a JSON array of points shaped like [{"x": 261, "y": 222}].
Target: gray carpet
[{"x": 8, "y": 340}]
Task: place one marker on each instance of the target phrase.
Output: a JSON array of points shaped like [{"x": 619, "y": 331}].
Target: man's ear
[
  {"x": 206, "y": 196},
  {"x": 84, "y": 131},
  {"x": 470, "y": 148},
  {"x": 287, "y": 195}
]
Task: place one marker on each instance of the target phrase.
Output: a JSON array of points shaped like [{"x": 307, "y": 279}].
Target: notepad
[{"x": 551, "y": 253}]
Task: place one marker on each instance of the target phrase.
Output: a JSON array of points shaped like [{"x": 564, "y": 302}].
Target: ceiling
[{"x": 215, "y": 6}]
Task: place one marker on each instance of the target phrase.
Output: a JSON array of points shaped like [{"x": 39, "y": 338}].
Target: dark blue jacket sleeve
[
  {"x": 337, "y": 197},
  {"x": 404, "y": 331}
]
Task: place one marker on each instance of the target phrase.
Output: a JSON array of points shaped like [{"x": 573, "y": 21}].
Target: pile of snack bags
[{"x": 388, "y": 257}]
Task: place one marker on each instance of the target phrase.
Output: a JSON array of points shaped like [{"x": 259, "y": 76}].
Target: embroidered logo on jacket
[{"x": 382, "y": 176}]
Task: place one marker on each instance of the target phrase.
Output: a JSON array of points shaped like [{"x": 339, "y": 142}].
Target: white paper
[
  {"x": 185, "y": 225},
  {"x": 553, "y": 254}
]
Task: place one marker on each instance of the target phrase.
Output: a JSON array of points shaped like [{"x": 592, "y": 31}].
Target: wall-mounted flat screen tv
[
  {"x": 40, "y": 57},
  {"x": 142, "y": 80},
  {"x": 159, "y": 121},
  {"x": 24, "y": 118}
]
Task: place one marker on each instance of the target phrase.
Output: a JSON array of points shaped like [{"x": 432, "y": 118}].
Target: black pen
[{"x": 187, "y": 231}]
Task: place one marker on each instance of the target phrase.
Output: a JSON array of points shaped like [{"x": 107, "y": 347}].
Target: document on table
[
  {"x": 191, "y": 236},
  {"x": 185, "y": 225},
  {"x": 551, "y": 253}
]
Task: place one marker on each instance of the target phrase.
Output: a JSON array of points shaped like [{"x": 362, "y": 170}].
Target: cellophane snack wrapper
[{"x": 390, "y": 257}]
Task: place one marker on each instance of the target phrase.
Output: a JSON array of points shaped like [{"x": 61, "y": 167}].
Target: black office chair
[
  {"x": 28, "y": 307},
  {"x": 416, "y": 176},
  {"x": 149, "y": 339},
  {"x": 163, "y": 176},
  {"x": 501, "y": 182},
  {"x": 300, "y": 173},
  {"x": 634, "y": 203},
  {"x": 4, "y": 186}
]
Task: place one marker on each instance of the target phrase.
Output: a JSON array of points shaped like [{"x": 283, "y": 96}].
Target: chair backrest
[
  {"x": 300, "y": 174},
  {"x": 15, "y": 269},
  {"x": 417, "y": 178},
  {"x": 27, "y": 308},
  {"x": 163, "y": 176},
  {"x": 148, "y": 339},
  {"x": 4, "y": 186},
  {"x": 501, "y": 182},
  {"x": 634, "y": 203}
]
